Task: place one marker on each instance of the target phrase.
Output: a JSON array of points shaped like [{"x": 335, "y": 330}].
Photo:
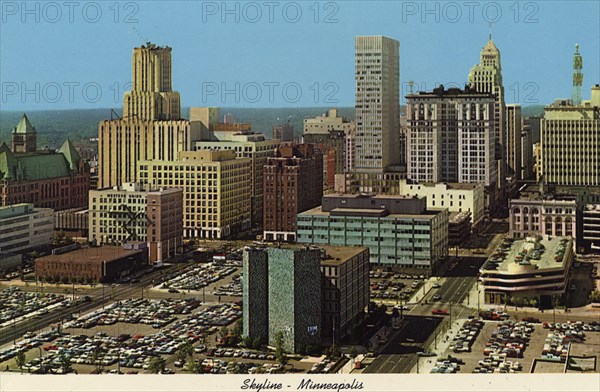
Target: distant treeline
[{"x": 54, "y": 126}]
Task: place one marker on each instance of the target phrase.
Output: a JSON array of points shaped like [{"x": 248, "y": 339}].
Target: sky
[{"x": 69, "y": 55}]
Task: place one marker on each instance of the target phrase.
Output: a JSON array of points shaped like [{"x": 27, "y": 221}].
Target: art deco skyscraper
[
  {"x": 151, "y": 96},
  {"x": 151, "y": 127},
  {"x": 377, "y": 103},
  {"x": 486, "y": 77}
]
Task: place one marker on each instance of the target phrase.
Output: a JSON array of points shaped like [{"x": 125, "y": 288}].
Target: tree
[
  {"x": 353, "y": 352},
  {"x": 279, "y": 353},
  {"x": 223, "y": 332},
  {"x": 21, "y": 360},
  {"x": 256, "y": 343},
  {"x": 595, "y": 296},
  {"x": 238, "y": 330},
  {"x": 97, "y": 360},
  {"x": 65, "y": 363},
  {"x": 184, "y": 352},
  {"x": 195, "y": 367},
  {"x": 156, "y": 365}
]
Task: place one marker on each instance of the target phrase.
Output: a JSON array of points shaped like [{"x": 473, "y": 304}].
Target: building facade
[
  {"x": 570, "y": 142},
  {"x": 293, "y": 301},
  {"x": 255, "y": 147},
  {"x": 312, "y": 295},
  {"x": 132, "y": 214},
  {"x": 545, "y": 215},
  {"x": 400, "y": 232},
  {"x": 151, "y": 127},
  {"x": 24, "y": 227},
  {"x": 47, "y": 178},
  {"x": 91, "y": 265},
  {"x": 514, "y": 131},
  {"x": 453, "y": 196},
  {"x": 377, "y": 74},
  {"x": 283, "y": 132},
  {"x": 486, "y": 77},
  {"x": 591, "y": 227},
  {"x": 528, "y": 268},
  {"x": 293, "y": 183},
  {"x": 451, "y": 138},
  {"x": 24, "y": 137},
  {"x": 216, "y": 190}
]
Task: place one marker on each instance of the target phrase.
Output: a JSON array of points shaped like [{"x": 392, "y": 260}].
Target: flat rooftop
[
  {"x": 334, "y": 255},
  {"x": 523, "y": 256},
  {"x": 369, "y": 212},
  {"x": 92, "y": 255}
]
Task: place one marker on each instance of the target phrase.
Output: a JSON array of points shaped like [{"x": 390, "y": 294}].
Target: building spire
[
  {"x": 577, "y": 76},
  {"x": 490, "y": 26}
]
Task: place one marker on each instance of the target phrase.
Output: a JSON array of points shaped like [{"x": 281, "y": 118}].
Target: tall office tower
[
  {"x": 293, "y": 183},
  {"x": 377, "y": 103},
  {"x": 451, "y": 138},
  {"x": 513, "y": 145},
  {"x": 570, "y": 142},
  {"x": 151, "y": 127},
  {"x": 203, "y": 120},
  {"x": 151, "y": 96},
  {"x": 486, "y": 77}
]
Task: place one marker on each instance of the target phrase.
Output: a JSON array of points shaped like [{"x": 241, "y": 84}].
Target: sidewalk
[
  {"x": 442, "y": 342},
  {"x": 422, "y": 292}
]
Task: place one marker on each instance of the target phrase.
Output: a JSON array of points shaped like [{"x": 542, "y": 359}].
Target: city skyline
[{"x": 92, "y": 72}]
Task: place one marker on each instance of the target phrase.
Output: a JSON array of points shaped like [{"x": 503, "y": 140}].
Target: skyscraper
[
  {"x": 486, "y": 77},
  {"x": 151, "y": 96},
  {"x": 151, "y": 127},
  {"x": 570, "y": 142},
  {"x": 377, "y": 103},
  {"x": 451, "y": 138}
]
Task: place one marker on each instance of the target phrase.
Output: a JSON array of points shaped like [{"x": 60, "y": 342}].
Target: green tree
[
  {"x": 21, "y": 360},
  {"x": 97, "y": 360},
  {"x": 156, "y": 365},
  {"x": 353, "y": 352},
  {"x": 223, "y": 332},
  {"x": 195, "y": 367},
  {"x": 238, "y": 329},
  {"x": 65, "y": 363},
  {"x": 184, "y": 352},
  {"x": 279, "y": 352}
]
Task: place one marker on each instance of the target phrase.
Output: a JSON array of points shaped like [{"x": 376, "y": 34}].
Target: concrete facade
[
  {"x": 216, "y": 190},
  {"x": 24, "y": 227}
]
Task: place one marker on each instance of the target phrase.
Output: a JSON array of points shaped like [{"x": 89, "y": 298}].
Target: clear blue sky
[{"x": 55, "y": 51}]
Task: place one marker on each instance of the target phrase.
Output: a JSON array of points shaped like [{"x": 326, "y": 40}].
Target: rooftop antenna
[
  {"x": 577, "y": 76},
  {"x": 490, "y": 26},
  {"x": 411, "y": 85}
]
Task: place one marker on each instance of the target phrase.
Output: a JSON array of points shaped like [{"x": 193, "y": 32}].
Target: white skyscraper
[{"x": 377, "y": 103}]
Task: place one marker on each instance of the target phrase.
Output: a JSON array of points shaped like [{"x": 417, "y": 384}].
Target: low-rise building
[
  {"x": 543, "y": 214},
  {"x": 459, "y": 228},
  {"x": 91, "y": 265},
  {"x": 456, "y": 197},
  {"x": 24, "y": 227},
  {"x": 531, "y": 268},
  {"x": 400, "y": 232}
]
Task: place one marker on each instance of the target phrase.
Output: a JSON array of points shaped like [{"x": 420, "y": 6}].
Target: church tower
[{"x": 24, "y": 137}]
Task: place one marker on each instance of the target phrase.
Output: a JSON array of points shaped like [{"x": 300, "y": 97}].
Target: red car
[{"x": 443, "y": 312}]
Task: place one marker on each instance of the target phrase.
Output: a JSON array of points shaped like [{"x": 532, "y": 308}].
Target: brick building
[
  {"x": 97, "y": 264},
  {"x": 293, "y": 183},
  {"x": 47, "y": 178}
]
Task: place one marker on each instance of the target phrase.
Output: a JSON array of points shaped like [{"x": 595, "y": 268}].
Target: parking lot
[
  {"x": 510, "y": 346},
  {"x": 17, "y": 304},
  {"x": 388, "y": 286},
  {"x": 198, "y": 276}
]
